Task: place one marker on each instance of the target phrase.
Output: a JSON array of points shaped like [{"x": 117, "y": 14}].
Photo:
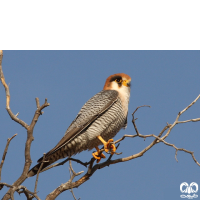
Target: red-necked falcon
[{"x": 98, "y": 121}]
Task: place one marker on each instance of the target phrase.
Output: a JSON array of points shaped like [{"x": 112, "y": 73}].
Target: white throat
[{"x": 124, "y": 94}]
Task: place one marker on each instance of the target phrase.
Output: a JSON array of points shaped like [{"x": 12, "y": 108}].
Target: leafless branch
[
  {"x": 85, "y": 164},
  {"x": 71, "y": 171},
  {"x": 5, "y": 152},
  {"x": 189, "y": 120},
  {"x": 29, "y": 129},
  {"x": 37, "y": 102},
  {"x": 13, "y": 117},
  {"x": 36, "y": 182},
  {"x": 73, "y": 194},
  {"x": 172, "y": 145},
  {"x": 30, "y": 195},
  {"x": 21, "y": 189},
  {"x": 68, "y": 184},
  {"x": 179, "y": 114},
  {"x": 7, "y": 185}
]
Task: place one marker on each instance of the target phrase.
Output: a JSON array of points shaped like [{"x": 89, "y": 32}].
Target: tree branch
[
  {"x": 7, "y": 185},
  {"x": 29, "y": 129},
  {"x": 30, "y": 195},
  {"x": 179, "y": 114},
  {"x": 36, "y": 182},
  {"x": 62, "y": 187},
  {"x": 85, "y": 164},
  {"x": 5, "y": 152},
  {"x": 13, "y": 117}
]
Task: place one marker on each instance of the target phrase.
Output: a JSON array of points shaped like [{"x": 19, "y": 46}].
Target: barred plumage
[{"x": 102, "y": 115}]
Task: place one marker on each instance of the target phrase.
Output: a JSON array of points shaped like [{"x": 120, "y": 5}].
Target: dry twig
[
  {"x": 5, "y": 152},
  {"x": 71, "y": 171},
  {"x": 30, "y": 195},
  {"x": 66, "y": 186},
  {"x": 36, "y": 182},
  {"x": 179, "y": 114}
]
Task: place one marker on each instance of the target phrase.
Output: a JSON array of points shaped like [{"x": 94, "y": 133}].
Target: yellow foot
[
  {"x": 107, "y": 146},
  {"x": 97, "y": 155}
]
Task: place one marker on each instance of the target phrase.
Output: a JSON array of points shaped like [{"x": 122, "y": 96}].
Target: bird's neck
[{"x": 124, "y": 96}]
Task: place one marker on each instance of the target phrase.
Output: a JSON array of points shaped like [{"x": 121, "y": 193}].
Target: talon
[
  {"x": 97, "y": 156},
  {"x": 113, "y": 148},
  {"x": 107, "y": 146}
]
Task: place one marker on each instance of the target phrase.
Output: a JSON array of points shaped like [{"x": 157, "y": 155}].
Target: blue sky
[{"x": 168, "y": 81}]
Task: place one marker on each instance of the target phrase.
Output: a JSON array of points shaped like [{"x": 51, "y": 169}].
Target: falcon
[{"x": 98, "y": 121}]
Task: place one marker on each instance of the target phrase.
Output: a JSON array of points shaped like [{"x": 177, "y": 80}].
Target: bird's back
[{"x": 105, "y": 122}]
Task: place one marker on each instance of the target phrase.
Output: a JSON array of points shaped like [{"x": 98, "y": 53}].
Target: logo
[{"x": 190, "y": 189}]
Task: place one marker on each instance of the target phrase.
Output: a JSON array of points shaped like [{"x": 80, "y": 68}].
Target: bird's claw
[
  {"x": 98, "y": 155},
  {"x": 109, "y": 147}
]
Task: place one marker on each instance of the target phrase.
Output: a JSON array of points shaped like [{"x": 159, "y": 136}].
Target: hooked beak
[{"x": 126, "y": 83}]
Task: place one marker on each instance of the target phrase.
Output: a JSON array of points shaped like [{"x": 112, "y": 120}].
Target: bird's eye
[{"x": 118, "y": 80}]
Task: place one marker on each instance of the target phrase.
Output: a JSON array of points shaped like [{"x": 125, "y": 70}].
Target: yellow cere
[{"x": 125, "y": 82}]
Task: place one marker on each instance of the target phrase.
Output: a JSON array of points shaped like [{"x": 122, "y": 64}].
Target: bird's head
[{"x": 120, "y": 82}]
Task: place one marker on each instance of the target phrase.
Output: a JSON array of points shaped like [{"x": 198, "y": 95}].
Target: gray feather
[{"x": 101, "y": 115}]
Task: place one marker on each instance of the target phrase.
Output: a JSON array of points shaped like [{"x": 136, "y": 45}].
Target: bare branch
[
  {"x": 5, "y": 152},
  {"x": 12, "y": 195},
  {"x": 7, "y": 185},
  {"x": 172, "y": 145},
  {"x": 73, "y": 194},
  {"x": 21, "y": 189},
  {"x": 37, "y": 102},
  {"x": 71, "y": 171},
  {"x": 62, "y": 187},
  {"x": 3, "y": 81},
  {"x": 36, "y": 182},
  {"x": 30, "y": 195},
  {"x": 137, "y": 132},
  {"x": 29, "y": 129},
  {"x": 177, "y": 118},
  {"x": 133, "y": 120},
  {"x": 140, "y": 107},
  {"x": 189, "y": 120},
  {"x": 180, "y": 113},
  {"x": 28, "y": 160},
  {"x": 74, "y": 174},
  {"x": 85, "y": 164},
  {"x": 13, "y": 117}
]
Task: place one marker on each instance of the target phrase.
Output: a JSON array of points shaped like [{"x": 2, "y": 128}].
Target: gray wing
[{"x": 92, "y": 109}]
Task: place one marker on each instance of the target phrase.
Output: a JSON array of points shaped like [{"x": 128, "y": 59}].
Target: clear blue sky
[{"x": 166, "y": 80}]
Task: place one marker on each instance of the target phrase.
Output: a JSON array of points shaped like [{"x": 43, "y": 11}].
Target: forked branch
[{"x": 29, "y": 129}]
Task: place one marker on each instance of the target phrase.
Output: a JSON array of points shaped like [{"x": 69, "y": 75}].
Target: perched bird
[{"x": 97, "y": 123}]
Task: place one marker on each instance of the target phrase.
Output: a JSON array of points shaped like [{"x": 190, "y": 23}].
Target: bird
[{"x": 98, "y": 121}]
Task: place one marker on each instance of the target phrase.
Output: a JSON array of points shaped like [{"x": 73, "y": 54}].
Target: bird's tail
[
  {"x": 35, "y": 169},
  {"x": 49, "y": 159}
]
